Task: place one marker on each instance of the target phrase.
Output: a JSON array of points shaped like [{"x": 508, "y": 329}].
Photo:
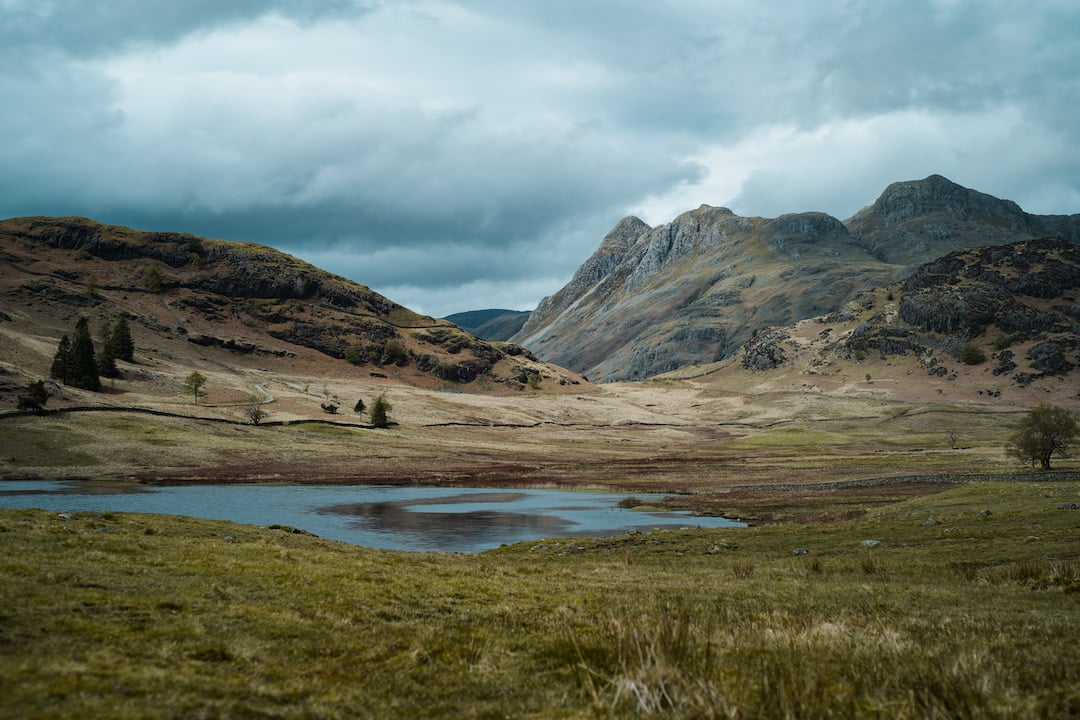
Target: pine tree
[
  {"x": 116, "y": 345},
  {"x": 106, "y": 363},
  {"x": 123, "y": 346},
  {"x": 82, "y": 365},
  {"x": 106, "y": 359},
  {"x": 60, "y": 361}
]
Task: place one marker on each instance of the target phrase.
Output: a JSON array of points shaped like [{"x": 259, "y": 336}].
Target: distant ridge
[{"x": 494, "y": 325}]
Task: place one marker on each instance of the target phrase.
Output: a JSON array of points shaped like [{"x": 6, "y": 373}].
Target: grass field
[{"x": 970, "y": 615}]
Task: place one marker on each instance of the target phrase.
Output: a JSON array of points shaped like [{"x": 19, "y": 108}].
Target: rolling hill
[{"x": 194, "y": 300}]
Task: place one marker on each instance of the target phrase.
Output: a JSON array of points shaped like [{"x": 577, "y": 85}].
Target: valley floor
[{"x": 765, "y": 457}]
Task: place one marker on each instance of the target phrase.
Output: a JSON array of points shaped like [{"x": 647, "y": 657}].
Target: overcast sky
[{"x": 464, "y": 154}]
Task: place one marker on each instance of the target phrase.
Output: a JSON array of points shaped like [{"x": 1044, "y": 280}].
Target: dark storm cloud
[{"x": 456, "y": 152}]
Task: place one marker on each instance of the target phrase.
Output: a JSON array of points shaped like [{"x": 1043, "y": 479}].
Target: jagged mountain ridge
[
  {"x": 241, "y": 298},
  {"x": 652, "y": 299}
]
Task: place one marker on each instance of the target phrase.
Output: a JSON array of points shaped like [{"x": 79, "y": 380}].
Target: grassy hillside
[{"x": 955, "y": 613}]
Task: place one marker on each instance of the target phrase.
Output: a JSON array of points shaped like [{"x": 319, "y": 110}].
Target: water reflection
[{"x": 448, "y": 529}]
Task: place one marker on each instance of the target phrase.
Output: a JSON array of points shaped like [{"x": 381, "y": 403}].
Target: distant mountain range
[
  {"x": 650, "y": 300},
  {"x": 495, "y": 325}
]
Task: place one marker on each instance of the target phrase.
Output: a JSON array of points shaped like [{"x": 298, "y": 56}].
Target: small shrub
[
  {"x": 359, "y": 407},
  {"x": 972, "y": 354},
  {"x": 329, "y": 407},
  {"x": 1002, "y": 342},
  {"x": 155, "y": 282},
  {"x": 393, "y": 353},
  {"x": 353, "y": 355},
  {"x": 35, "y": 398}
]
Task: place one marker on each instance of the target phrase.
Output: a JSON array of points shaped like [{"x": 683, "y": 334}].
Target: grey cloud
[{"x": 432, "y": 145}]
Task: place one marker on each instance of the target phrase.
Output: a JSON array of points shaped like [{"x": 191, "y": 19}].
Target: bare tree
[{"x": 255, "y": 413}]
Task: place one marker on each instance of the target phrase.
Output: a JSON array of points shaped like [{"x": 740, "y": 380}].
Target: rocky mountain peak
[
  {"x": 916, "y": 221},
  {"x": 621, "y": 237},
  {"x": 936, "y": 194}
]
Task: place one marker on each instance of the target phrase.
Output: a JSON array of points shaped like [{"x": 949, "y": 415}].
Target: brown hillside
[{"x": 192, "y": 300}]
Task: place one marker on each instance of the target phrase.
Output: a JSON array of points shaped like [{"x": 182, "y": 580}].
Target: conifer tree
[
  {"x": 82, "y": 367},
  {"x": 123, "y": 346},
  {"x": 60, "y": 361},
  {"x": 106, "y": 359}
]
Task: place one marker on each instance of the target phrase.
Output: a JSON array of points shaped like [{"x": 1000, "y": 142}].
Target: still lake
[{"x": 396, "y": 518}]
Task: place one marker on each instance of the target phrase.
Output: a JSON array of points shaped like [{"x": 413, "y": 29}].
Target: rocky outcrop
[
  {"x": 243, "y": 347},
  {"x": 992, "y": 297},
  {"x": 1055, "y": 356},
  {"x": 966, "y": 291},
  {"x": 764, "y": 351}
]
